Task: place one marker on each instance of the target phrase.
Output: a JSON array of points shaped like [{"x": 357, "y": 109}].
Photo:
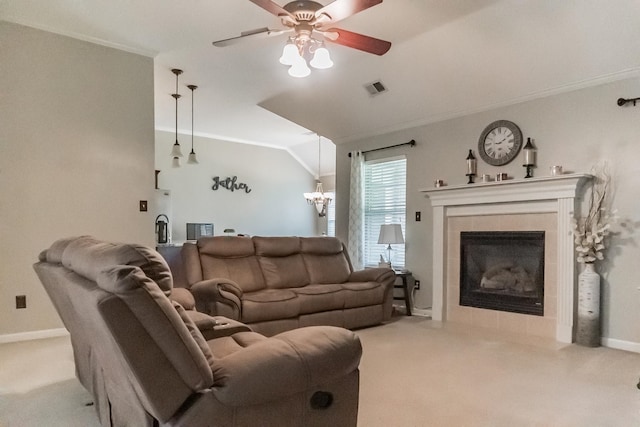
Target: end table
[{"x": 405, "y": 289}]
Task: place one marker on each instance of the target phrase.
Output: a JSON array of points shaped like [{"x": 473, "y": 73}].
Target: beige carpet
[{"x": 414, "y": 372}]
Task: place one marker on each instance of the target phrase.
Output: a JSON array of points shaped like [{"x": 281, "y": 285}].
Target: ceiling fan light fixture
[
  {"x": 299, "y": 68},
  {"x": 321, "y": 58},
  {"x": 290, "y": 54}
]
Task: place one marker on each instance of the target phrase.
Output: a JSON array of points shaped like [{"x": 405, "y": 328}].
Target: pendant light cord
[
  {"x": 319, "y": 144},
  {"x": 176, "y": 96},
  {"x": 192, "y": 87}
]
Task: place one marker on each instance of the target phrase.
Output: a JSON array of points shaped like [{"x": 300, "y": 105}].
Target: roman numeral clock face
[{"x": 500, "y": 142}]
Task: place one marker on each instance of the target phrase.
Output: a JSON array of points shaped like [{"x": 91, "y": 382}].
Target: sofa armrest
[
  {"x": 286, "y": 364},
  {"x": 382, "y": 275},
  {"x": 209, "y": 292}
]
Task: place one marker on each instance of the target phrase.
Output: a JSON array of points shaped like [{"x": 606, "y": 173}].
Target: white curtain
[{"x": 356, "y": 211}]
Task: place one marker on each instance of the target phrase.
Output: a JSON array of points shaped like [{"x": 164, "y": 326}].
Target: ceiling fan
[{"x": 305, "y": 19}]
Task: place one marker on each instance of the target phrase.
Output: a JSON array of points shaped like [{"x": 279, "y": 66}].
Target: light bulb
[{"x": 321, "y": 59}]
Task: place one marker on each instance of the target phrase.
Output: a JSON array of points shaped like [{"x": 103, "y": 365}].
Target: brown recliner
[{"x": 146, "y": 363}]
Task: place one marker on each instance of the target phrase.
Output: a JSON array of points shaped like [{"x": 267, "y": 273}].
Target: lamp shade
[
  {"x": 299, "y": 68},
  {"x": 193, "y": 160},
  {"x": 321, "y": 59},
  {"x": 290, "y": 54},
  {"x": 390, "y": 234}
]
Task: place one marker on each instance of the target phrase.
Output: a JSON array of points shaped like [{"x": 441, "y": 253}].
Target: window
[
  {"x": 331, "y": 218},
  {"x": 385, "y": 202}
]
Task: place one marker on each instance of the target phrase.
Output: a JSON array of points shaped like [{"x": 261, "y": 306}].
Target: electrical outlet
[
  {"x": 21, "y": 301},
  {"x": 416, "y": 286}
]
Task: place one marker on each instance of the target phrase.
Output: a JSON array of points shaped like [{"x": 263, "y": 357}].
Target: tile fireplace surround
[{"x": 534, "y": 204}]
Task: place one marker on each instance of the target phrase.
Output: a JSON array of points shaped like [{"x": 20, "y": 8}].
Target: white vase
[{"x": 588, "y": 329}]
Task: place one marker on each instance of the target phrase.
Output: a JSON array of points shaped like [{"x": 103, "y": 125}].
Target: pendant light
[
  {"x": 176, "y": 153},
  {"x": 192, "y": 155},
  {"x": 319, "y": 198}
]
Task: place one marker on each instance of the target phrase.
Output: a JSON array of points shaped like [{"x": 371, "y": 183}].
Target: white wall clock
[{"x": 500, "y": 142}]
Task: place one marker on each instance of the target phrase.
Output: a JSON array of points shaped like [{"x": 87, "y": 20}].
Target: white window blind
[
  {"x": 385, "y": 202},
  {"x": 331, "y": 219}
]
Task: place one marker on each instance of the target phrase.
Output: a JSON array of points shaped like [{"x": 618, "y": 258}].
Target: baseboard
[
  {"x": 621, "y": 345},
  {"x": 422, "y": 312},
  {"x": 33, "y": 335}
]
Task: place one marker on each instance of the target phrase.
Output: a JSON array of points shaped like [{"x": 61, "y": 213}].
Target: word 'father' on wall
[{"x": 230, "y": 184}]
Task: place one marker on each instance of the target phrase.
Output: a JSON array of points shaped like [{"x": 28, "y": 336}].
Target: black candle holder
[
  {"x": 529, "y": 171},
  {"x": 529, "y": 157},
  {"x": 471, "y": 175},
  {"x": 471, "y": 166}
]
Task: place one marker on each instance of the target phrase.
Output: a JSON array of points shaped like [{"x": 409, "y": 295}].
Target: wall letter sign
[{"x": 229, "y": 184}]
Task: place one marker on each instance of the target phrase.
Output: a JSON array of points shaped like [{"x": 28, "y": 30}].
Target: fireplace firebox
[{"x": 503, "y": 270}]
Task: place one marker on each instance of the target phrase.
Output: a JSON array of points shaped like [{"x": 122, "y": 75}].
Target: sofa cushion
[
  {"x": 284, "y": 272},
  {"x": 276, "y": 246},
  {"x": 360, "y": 294},
  {"x": 317, "y": 298},
  {"x": 245, "y": 272},
  {"x": 224, "y": 346},
  {"x": 226, "y": 246},
  {"x": 325, "y": 260},
  {"x": 269, "y": 304},
  {"x": 231, "y": 257},
  {"x": 281, "y": 263},
  {"x": 88, "y": 256}
]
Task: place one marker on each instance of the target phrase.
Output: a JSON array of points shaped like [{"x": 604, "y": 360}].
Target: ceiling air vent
[{"x": 375, "y": 88}]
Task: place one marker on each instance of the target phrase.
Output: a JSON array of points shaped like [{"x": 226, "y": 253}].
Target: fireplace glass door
[{"x": 503, "y": 270}]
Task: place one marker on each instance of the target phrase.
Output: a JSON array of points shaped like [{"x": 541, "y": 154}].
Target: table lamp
[{"x": 390, "y": 234}]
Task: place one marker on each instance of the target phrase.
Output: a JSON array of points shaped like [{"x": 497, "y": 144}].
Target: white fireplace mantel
[{"x": 557, "y": 194}]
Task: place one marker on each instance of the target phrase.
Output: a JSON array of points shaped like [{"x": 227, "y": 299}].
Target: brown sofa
[
  {"x": 148, "y": 363},
  {"x": 276, "y": 284}
]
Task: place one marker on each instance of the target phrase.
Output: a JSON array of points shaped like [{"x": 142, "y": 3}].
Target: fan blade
[
  {"x": 357, "y": 41},
  {"x": 341, "y": 9},
  {"x": 251, "y": 34},
  {"x": 275, "y": 9}
]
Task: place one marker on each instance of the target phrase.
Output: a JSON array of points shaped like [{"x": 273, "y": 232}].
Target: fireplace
[
  {"x": 503, "y": 270},
  {"x": 532, "y": 204}
]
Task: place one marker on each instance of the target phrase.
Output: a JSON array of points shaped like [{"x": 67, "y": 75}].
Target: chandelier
[
  {"x": 319, "y": 198},
  {"x": 299, "y": 49}
]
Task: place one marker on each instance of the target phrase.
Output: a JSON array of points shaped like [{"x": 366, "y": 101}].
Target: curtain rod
[{"x": 411, "y": 143}]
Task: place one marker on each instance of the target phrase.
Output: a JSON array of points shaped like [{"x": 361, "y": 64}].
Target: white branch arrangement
[{"x": 591, "y": 232}]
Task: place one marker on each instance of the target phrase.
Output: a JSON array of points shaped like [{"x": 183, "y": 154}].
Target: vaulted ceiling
[{"x": 448, "y": 58}]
